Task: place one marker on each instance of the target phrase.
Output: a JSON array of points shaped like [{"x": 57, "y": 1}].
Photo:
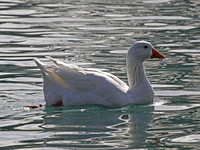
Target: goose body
[{"x": 70, "y": 85}]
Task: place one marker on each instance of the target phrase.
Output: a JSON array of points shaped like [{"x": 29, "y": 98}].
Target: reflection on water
[
  {"x": 110, "y": 128},
  {"x": 97, "y": 34}
]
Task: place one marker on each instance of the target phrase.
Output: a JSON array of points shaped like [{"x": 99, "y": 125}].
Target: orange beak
[{"x": 156, "y": 54}]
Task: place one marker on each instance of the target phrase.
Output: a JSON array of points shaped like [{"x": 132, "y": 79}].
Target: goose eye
[{"x": 145, "y": 47}]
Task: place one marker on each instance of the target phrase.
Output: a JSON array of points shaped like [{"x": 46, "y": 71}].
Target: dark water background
[{"x": 97, "y": 34}]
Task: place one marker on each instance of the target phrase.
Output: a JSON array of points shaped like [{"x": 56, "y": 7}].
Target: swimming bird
[{"x": 71, "y": 85}]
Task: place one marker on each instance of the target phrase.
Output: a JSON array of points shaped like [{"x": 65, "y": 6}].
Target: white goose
[{"x": 70, "y": 85}]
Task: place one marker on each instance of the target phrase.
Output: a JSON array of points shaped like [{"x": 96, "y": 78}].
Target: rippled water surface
[{"x": 97, "y": 34}]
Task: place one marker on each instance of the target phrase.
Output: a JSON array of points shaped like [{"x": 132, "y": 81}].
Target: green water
[{"x": 97, "y": 34}]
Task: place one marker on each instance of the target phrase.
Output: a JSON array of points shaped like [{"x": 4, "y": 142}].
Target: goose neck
[{"x": 136, "y": 74}]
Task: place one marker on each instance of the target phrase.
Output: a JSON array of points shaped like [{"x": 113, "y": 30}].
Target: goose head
[{"x": 142, "y": 50}]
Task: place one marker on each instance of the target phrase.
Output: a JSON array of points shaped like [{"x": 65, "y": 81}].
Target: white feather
[{"x": 74, "y": 85}]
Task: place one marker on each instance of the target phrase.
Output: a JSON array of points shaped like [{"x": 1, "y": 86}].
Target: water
[{"x": 97, "y": 34}]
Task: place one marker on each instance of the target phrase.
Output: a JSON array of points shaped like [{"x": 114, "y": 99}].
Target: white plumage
[{"x": 70, "y": 85}]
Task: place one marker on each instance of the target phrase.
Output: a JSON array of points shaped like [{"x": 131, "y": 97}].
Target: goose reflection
[{"x": 98, "y": 127}]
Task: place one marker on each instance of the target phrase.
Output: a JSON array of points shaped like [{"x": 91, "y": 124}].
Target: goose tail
[{"x": 40, "y": 65}]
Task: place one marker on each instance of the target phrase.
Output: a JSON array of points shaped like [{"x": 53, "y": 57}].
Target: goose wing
[
  {"x": 67, "y": 76},
  {"x": 84, "y": 86}
]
